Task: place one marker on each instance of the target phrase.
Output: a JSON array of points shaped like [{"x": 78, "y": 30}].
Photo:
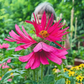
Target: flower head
[
  {"x": 9, "y": 60},
  {"x": 4, "y": 45},
  {"x": 65, "y": 69},
  {"x": 10, "y": 80},
  {"x": 22, "y": 37},
  {"x": 71, "y": 73},
  {"x": 50, "y": 32},
  {"x": 68, "y": 81},
  {"x": 79, "y": 78},
  {"x": 4, "y": 65},
  {"x": 41, "y": 53}
]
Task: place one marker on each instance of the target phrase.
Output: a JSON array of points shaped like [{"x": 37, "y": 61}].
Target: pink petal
[
  {"x": 36, "y": 62},
  {"x": 9, "y": 80},
  {"x": 30, "y": 62},
  {"x": 26, "y": 57},
  {"x": 21, "y": 33},
  {"x": 43, "y": 21},
  {"x": 23, "y": 46},
  {"x": 43, "y": 58},
  {"x": 54, "y": 58},
  {"x": 9, "y": 39},
  {"x": 18, "y": 48},
  {"x": 50, "y": 22},
  {"x": 43, "y": 46},
  {"x": 14, "y": 35},
  {"x": 9, "y": 60},
  {"x": 29, "y": 37},
  {"x": 29, "y": 22},
  {"x": 61, "y": 53}
]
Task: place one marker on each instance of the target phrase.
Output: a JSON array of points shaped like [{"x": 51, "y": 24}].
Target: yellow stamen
[{"x": 44, "y": 33}]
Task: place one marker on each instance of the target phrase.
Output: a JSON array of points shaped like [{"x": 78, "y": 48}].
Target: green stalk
[
  {"x": 75, "y": 27},
  {"x": 41, "y": 72},
  {"x": 62, "y": 68},
  {"x": 37, "y": 77},
  {"x": 4, "y": 52},
  {"x": 34, "y": 75}
]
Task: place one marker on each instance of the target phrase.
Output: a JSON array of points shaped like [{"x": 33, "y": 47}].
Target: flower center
[{"x": 44, "y": 33}]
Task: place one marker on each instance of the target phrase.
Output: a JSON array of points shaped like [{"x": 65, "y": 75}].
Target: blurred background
[{"x": 17, "y": 11}]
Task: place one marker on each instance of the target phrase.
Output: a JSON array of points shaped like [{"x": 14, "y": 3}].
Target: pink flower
[
  {"x": 4, "y": 65},
  {"x": 4, "y": 45},
  {"x": 22, "y": 37},
  {"x": 50, "y": 32},
  {"x": 41, "y": 53},
  {"x": 0, "y": 78},
  {"x": 0, "y": 65},
  {"x": 9, "y": 80},
  {"x": 9, "y": 60}
]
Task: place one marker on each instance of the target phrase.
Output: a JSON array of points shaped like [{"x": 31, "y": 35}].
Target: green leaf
[
  {"x": 48, "y": 79},
  {"x": 61, "y": 81}
]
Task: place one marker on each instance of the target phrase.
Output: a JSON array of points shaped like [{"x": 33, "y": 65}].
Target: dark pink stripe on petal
[
  {"x": 36, "y": 62},
  {"x": 43, "y": 58},
  {"x": 30, "y": 62},
  {"x": 26, "y": 57},
  {"x": 54, "y": 58}
]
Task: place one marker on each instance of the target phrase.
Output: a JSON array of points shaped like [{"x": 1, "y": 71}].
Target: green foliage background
[{"x": 17, "y": 11}]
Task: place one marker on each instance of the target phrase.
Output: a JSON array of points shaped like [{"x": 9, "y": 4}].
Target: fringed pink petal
[
  {"x": 38, "y": 47},
  {"x": 29, "y": 22},
  {"x": 53, "y": 38},
  {"x": 43, "y": 46},
  {"x": 18, "y": 48},
  {"x": 36, "y": 62},
  {"x": 14, "y": 35},
  {"x": 27, "y": 45},
  {"x": 10, "y": 39},
  {"x": 51, "y": 56},
  {"x": 43, "y": 58},
  {"x": 43, "y": 21},
  {"x": 25, "y": 58},
  {"x": 21, "y": 33},
  {"x": 27, "y": 65},
  {"x": 29, "y": 37},
  {"x": 50, "y": 22},
  {"x": 61, "y": 53},
  {"x": 30, "y": 62},
  {"x": 55, "y": 27}
]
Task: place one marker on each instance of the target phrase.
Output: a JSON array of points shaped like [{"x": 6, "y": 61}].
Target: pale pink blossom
[
  {"x": 9, "y": 80},
  {"x": 9, "y": 60},
  {"x": 4, "y": 45},
  {"x": 4, "y": 65}
]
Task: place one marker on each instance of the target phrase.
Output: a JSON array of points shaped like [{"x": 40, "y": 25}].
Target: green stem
[
  {"x": 62, "y": 68},
  {"x": 1, "y": 71},
  {"x": 41, "y": 72},
  {"x": 47, "y": 71},
  {"x": 37, "y": 77},
  {"x": 4, "y": 52},
  {"x": 34, "y": 75}
]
